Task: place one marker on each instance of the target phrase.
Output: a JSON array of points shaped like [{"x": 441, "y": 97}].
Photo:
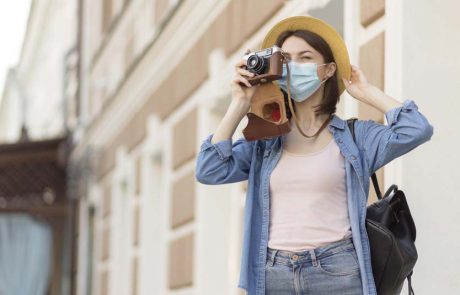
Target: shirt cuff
[
  {"x": 223, "y": 147},
  {"x": 392, "y": 114}
]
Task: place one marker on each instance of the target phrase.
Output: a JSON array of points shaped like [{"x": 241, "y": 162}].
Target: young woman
[{"x": 304, "y": 219}]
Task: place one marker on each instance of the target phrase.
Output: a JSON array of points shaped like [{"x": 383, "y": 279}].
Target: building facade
[
  {"x": 145, "y": 81},
  {"x": 155, "y": 81},
  {"x": 37, "y": 111}
]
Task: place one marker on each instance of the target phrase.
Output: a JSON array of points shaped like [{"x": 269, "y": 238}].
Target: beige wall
[
  {"x": 372, "y": 63},
  {"x": 113, "y": 66}
]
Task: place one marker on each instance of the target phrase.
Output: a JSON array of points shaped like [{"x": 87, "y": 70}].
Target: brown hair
[{"x": 331, "y": 87}]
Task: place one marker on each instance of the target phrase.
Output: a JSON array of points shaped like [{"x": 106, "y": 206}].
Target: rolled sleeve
[
  {"x": 223, "y": 147},
  {"x": 392, "y": 115},
  {"x": 407, "y": 128},
  {"x": 224, "y": 161}
]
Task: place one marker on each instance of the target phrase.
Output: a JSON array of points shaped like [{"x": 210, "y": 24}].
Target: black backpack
[{"x": 391, "y": 232}]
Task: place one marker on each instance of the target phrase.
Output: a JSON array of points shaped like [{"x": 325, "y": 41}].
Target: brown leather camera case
[{"x": 267, "y": 116}]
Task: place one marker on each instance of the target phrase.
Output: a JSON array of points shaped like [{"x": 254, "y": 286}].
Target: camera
[{"x": 266, "y": 64}]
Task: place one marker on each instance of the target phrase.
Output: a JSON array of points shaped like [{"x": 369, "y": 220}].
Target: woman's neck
[{"x": 308, "y": 120}]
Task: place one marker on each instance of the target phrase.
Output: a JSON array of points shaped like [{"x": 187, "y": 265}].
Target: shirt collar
[{"x": 336, "y": 121}]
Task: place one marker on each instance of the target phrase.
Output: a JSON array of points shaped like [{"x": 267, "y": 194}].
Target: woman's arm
[
  {"x": 235, "y": 113},
  {"x": 219, "y": 160},
  {"x": 407, "y": 128},
  {"x": 359, "y": 88}
]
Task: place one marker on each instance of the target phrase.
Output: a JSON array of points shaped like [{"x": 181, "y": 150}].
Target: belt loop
[
  {"x": 313, "y": 257},
  {"x": 272, "y": 261}
]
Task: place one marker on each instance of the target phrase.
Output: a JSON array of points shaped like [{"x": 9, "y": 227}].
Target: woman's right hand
[{"x": 242, "y": 90}]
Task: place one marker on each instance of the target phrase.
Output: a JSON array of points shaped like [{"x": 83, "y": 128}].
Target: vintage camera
[{"x": 266, "y": 64}]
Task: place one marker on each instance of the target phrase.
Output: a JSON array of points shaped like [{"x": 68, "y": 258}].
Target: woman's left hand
[{"x": 358, "y": 85}]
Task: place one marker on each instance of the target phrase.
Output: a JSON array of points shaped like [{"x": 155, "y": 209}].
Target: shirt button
[
  {"x": 340, "y": 140},
  {"x": 353, "y": 157}
]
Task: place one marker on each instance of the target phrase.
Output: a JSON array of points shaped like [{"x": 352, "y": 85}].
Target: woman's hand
[
  {"x": 242, "y": 90},
  {"x": 358, "y": 87}
]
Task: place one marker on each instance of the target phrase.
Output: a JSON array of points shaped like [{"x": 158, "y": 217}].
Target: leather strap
[{"x": 409, "y": 279}]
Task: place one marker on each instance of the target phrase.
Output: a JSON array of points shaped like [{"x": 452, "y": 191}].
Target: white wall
[
  {"x": 11, "y": 115},
  {"x": 51, "y": 34},
  {"x": 430, "y": 76}
]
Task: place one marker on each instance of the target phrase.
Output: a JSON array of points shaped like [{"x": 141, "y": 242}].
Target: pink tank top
[{"x": 308, "y": 200}]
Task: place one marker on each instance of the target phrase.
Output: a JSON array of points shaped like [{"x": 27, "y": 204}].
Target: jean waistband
[{"x": 285, "y": 256}]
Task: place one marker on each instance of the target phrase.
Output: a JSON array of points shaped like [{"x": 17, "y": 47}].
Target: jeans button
[{"x": 294, "y": 257}]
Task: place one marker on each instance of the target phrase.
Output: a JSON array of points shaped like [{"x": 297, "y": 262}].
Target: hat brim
[{"x": 323, "y": 29}]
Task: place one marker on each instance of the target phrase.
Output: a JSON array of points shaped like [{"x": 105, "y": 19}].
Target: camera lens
[{"x": 255, "y": 64}]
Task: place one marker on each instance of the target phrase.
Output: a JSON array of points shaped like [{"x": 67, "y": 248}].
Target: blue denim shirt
[{"x": 376, "y": 145}]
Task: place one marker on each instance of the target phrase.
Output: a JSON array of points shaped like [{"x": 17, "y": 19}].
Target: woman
[{"x": 304, "y": 219}]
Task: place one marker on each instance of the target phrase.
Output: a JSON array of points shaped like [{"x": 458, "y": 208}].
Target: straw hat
[{"x": 323, "y": 29}]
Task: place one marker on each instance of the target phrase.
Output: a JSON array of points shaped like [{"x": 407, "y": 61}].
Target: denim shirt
[{"x": 376, "y": 145}]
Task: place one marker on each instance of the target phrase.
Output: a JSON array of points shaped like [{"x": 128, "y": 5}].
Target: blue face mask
[{"x": 304, "y": 80}]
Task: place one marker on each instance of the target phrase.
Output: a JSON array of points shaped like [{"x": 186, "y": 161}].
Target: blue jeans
[{"x": 330, "y": 269}]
